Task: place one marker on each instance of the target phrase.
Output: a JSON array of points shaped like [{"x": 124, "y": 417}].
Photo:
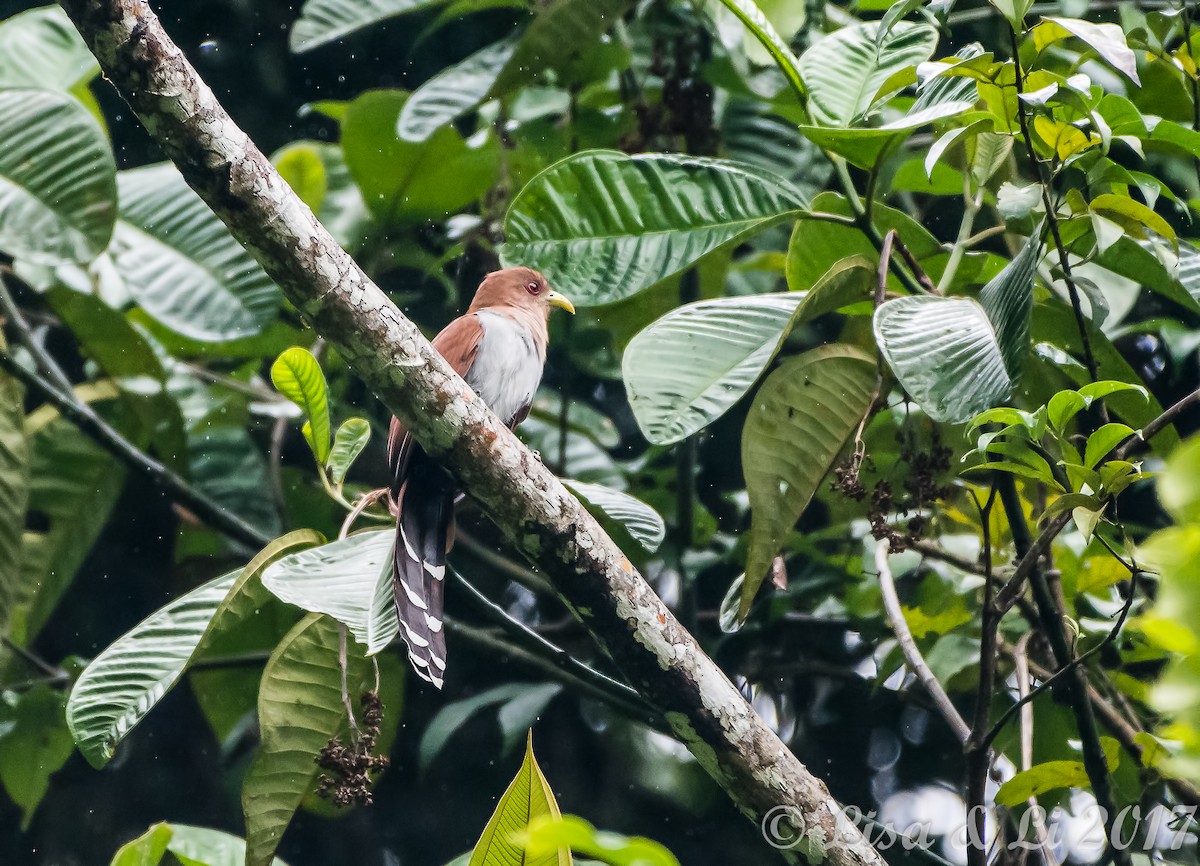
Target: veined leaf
[
  {"x": 547, "y": 833},
  {"x": 556, "y": 36},
  {"x": 454, "y": 91},
  {"x": 756, "y": 22},
  {"x": 863, "y": 146},
  {"x": 350, "y": 580},
  {"x": 324, "y": 21},
  {"x": 14, "y": 491},
  {"x": 192, "y": 846},
  {"x": 34, "y": 744},
  {"x": 686, "y": 369},
  {"x": 299, "y": 710},
  {"x": 797, "y": 426},
  {"x": 955, "y": 356},
  {"x": 642, "y": 522},
  {"x": 1107, "y": 39},
  {"x": 603, "y": 225},
  {"x": 297, "y": 376},
  {"x": 182, "y": 265},
  {"x": 348, "y": 443},
  {"x": 528, "y": 797},
  {"x": 845, "y": 70},
  {"x": 41, "y": 48},
  {"x": 58, "y": 189},
  {"x": 126, "y": 681},
  {"x": 529, "y": 701}
]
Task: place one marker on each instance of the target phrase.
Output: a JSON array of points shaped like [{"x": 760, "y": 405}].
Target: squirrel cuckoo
[{"x": 499, "y": 347}]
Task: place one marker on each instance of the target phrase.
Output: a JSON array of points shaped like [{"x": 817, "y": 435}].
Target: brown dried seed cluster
[{"x": 350, "y": 767}]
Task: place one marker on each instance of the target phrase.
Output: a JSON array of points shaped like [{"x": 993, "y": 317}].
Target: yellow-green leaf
[
  {"x": 298, "y": 376},
  {"x": 348, "y": 443}
]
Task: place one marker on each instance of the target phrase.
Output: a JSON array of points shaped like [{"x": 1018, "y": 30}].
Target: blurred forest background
[{"x": 816, "y": 656}]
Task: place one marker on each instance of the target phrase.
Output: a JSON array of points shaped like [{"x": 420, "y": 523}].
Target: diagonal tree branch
[{"x": 654, "y": 652}]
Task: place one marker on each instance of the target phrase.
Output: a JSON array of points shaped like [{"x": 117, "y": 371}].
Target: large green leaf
[
  {"x": 41, "y": 48},
  {"x": 34, "y": 743},
  {"x": 108, "y": 338},
  {"x": 297, "y": 376},
  {"x": 350, "y": 580},
  {"x": 323, "y": 21},
  {"x": 749, "y": 13},
  {"x": 798, "y": 424},
  {"x": 751, "y": 132},
  {"x": 845, "y": 70},
  {"x": 123, "y": 683},
  {"x": 14, "y": 491},
  {"x": 57, "y": 178},
  {"x": 864, "y": 146},
  {"x": 182, "y": 265},
  {"x": 521, "y": 704},
  {"x": 227, "y": 465},
  {"x": 686, "y": 369},
  {"x": 545, "y": 834},
  {"x": 603, "y": 225},
  {"x": 561, "y": 32},
  {"x": 454, "y": 91},
  {"x": 192, "y": 846},
  {"x": 957, "y": 356},
  {"x": 528, "y": 797},
  {"x": 642, "y": 522},
  {"x": 299, "y": 710},
  {"x": 413, "y": 182},
  {"x": 73, "y": 485}
]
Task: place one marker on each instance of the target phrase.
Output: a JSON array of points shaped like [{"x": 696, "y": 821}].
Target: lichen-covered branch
[{"x": 654, "y": 652}]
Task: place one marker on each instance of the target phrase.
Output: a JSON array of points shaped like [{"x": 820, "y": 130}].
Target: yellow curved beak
[{"x": 554, "y": 299}]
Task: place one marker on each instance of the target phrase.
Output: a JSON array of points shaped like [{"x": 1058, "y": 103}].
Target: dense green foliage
[{"x": 861, "y": 289}]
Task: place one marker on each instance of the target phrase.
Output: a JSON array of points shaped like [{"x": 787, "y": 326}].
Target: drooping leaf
[
  {"x": 123, "y": 683},
  {"x": 350, "y": 580},
  {"x": 324, "y": 21},
  {"x": 192, "y": 846},
  {"x": 546, "y": 833},
  {"x": 348, "y": 443},
  {"x": 1107, "y": 39},
  {"x": 749, "y": 13},
  {"x": 413, "y": 182},
  {"x": 299, "y": 710},
  {"x": 1053, "y": 774},
  {"x": 14, "y": 491},
  {"x": 528, "y": 797},
  {"x": 58, "y": 191},
  {"x": 955, "y": 356},
  {"x": 34, "y": 744},
  {"x": 454, "y": 91},
  {"x": 453, "y": 716},
  {"x": 642, "y": 522},
  {"x": 845, "y": 70},
  {"x": 865, "y": 146},
  {"x": 798, "y": 424},
  {"x": 182, "y": 265},
  {"x": 686, "y": 369},
  {"x": 603, "y": 226},
  {"x": 41, "y": 48},
  {"x": 555, "y": 38},
  {"x": 297, "y": 376}
]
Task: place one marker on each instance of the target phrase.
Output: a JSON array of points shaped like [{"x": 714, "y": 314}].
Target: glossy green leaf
[
  {"x": 749, "y": 13},
  {"x": 182, "y": 265},
  {"x": 41, "y": 48},
  {"x": 557, "y": 36},
  {"x": 108, "y": 338},
  {"x": 528, "y": 797},
  {"x": 1052, "y": 774},
  {"x": 689, "y": 367},
  {"x": 1107, "y": 39},
  {"x": 546, "y": 834},
  {"x": 845, "y": 70},
  {"x": 864, "y": 146},
  {"x": 348, "y": 443},
  {"x": 454, "y": 91},
  {"x": 753, "y": 133},
  {"x": 297, "y": 375},
  {"x": 226, "y": 464},
  {"x": 413, "y": 182},
  {"x": 324, "y": 21},
  {"x": 1015, "y": 11},
  {"x": 799, "y": 422},
  {"x": 1104, "y": 440},
  {"x": 1132, "y": 214},
  {"x": 191, "y": 846},
  {"x": 642, "y": 522},
  {"x": 34, "y": 744},
  {"x": 528, "y": 702},
  {"x": 1064, "y": 406},
  {"x": 300, "y": 165},
  {"x": 603, "y": 226},
  {"x": 350, "y": 580},
  {"x": 14, "y": 491},
  {"x": 126, "y": 681},
  {"x": 955, "y": 356},
  {"x": 299, "y": 710},
  {"x": 58, "y": 191}
]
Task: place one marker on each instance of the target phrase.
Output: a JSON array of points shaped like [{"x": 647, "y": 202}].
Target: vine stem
[{"x": 972, "y": 204}]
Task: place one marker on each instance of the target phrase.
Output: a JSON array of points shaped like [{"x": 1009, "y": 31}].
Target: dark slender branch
[
  {"x": 531, "y": 580},
  {"x": 31, "y": 658},
  {"x": 1156, "y": 426},
  {"x": 1051, "y": 618},
  {"x": 978, "y": 749},
  {"x": 87, "y": 420},
  {"x": 587, "y": 679},
  {"x": 1186, "y": 15},
  {"x": 931, "y": 550},
  {"x": 1051, "y": 217}
]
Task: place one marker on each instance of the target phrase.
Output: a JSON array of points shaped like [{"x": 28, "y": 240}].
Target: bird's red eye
[{"x": 534, "y": 287}]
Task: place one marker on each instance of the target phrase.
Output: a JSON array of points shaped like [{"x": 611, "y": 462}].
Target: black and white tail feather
[{"x": 425, "y": 521}]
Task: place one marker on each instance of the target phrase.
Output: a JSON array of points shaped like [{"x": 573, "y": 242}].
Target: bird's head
[{"x": 523, "y": 288}]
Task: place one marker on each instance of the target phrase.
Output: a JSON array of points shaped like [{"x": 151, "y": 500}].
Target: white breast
[{"x": 507, "y": 368}]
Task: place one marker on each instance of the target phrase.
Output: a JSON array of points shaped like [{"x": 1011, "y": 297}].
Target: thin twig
[
  {"x": 978, "y": 752},
  {"x": 32, "y": 659},
  {"x": 912, "y": 655},
  {"x": 528, "y": 578},
  {"x": 1021, "y": 665},
  {"x": 1156, "y": 426}
]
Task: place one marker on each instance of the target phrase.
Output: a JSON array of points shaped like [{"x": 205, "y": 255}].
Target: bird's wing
[{"x": 458, "y": 343}]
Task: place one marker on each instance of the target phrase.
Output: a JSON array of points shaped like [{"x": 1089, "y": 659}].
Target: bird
[{"x": 499, "y": 347}]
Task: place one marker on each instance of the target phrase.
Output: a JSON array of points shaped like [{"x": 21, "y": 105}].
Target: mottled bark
[{"x": 657, "y": 655}]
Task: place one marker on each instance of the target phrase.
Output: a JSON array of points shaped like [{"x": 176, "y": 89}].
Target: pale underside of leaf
[
  {"x": 324, "y": 21},
  {"x": 642, "y": 522}
]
